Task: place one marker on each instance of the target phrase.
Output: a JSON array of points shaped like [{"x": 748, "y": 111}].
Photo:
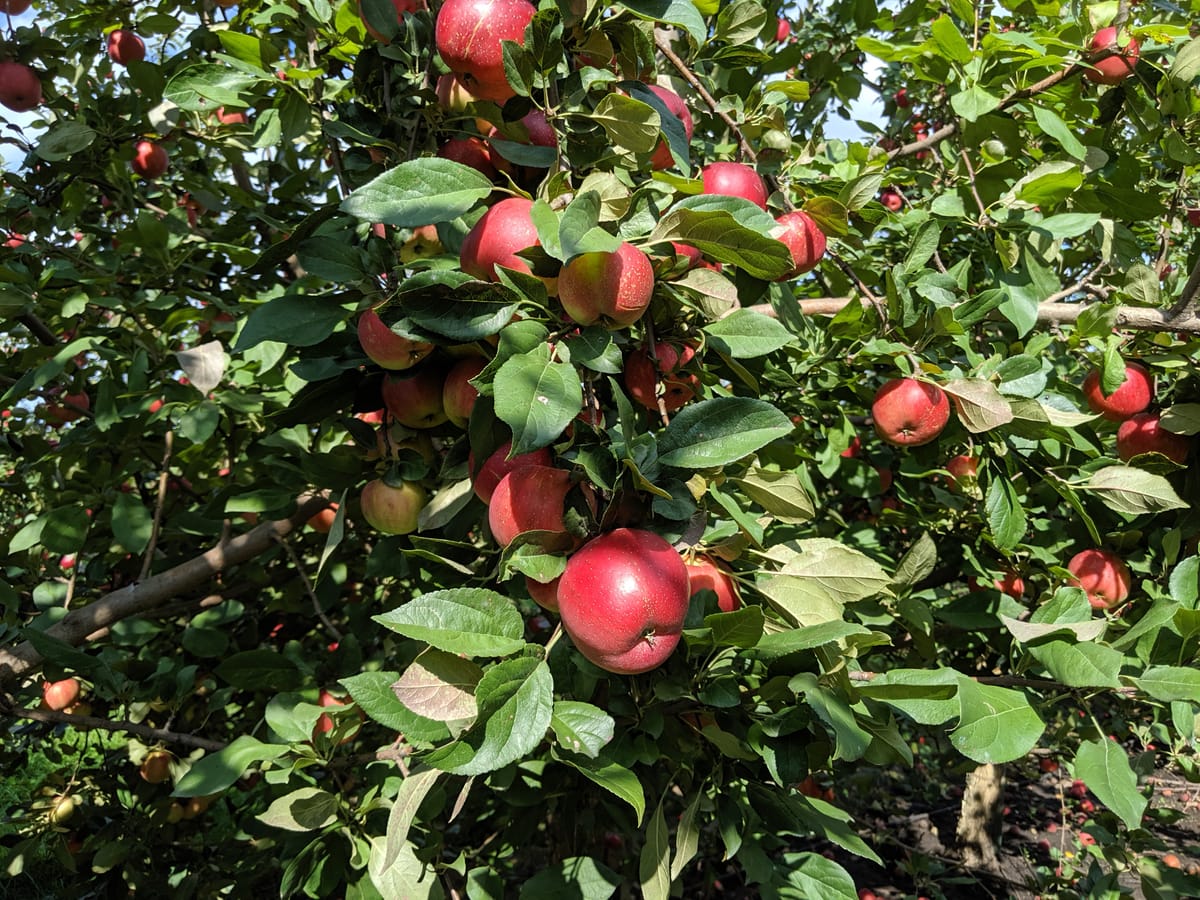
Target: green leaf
[
  {"x": 372, "y": 692},
  {"x": 1006, "y": 517},
  {"x": 300, "y": 320},
  {"x": 331, "y": 258},
  {"x": 1171, "y": 683},
  {"x": 594, "y": 348},
  {"x": 439, "y": 686},
  {"x": 537, "y": 397},
  {"x": 217, "y": 771},
  {"x": 928, "y": 697},
  {"x": 1056, "y": 128},
  {"x": 949, "y": 40},
  {"x": 581, "y": 727},
  {"x": 654, "y": 863},
  {"x": 1080, "y": 665},
  {"x": 995, "y": 724},
  {"x": 515, "y": 700},
  {"x": 613, "y": 777},
  {"x": 579, "y": 230},
  {"x": 1132, "y": 491},
  {"x": 202, "y": 88},
  {"x": 740, "y": 628},
  {"x": 745, "y": 334},
  {"x": 456, "y": 306},
  {"x": 406, "y": 877},
  {"x": 1184, "y": 583},
  {"x": 1104, "y": 768},
  {"x": 721, "y": 237},
  {"x": 472, "y": 621},
  {"x": 304, "y": 809},
  {"x": 917, "y": 563},
  {"x": 413, "y": 791},
  {"x": 64, "y": 140},
  {"x": 630, "y": 124},
  {"x": 1186, "y": 65},
  {"x": 687, "y": 837},
  {"x": 1069, "y": 225},
  {"x": 979, "y": 405},
  {"x": 672, "y": 12},
  {"x": 850, "y": 739},
  {"x": 974, "y": 103},
  {"x": 780, "y": 494},
  {"x": 816, "y": 876},
  {"x": 579, "y": 878},
  {"x": 720, "y": 431},
  {"x": 824, "y": 572},
  {"x": 808, "y": 637},
  {"x": 65, "y": 529},
  {"x": 261, "y": 669},
  {"x": 419, "y": 192}
]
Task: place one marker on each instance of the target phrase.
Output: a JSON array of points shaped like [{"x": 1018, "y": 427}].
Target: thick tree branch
[
  {"x": 38, "y": 329},
  {"x": 146, "y": 595},
  {"x": 156, "y": 734},
  {"x": 1185, "y": 306}
]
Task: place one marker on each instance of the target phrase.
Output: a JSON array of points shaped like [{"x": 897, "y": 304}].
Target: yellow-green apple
[
  {"x": 20, "y": 88},
  {"x": 623, "y": 598},
  {"x": 451, "y": 94},
  {"x": 909, "y": 413},
  {"x": 423, "y": 244},
  {"x": 615, "y": 286},
  {"x": 1103, "y": 576},
  {"x": 393, "y": 509},
  {"x": 458, "y": 394},
  {"x": 799, "y": 232},
  {"x": 470, "y": 151},
  {"x": 734, "y": 180},
  {"x": 501, "y": 232},
  {"x": 1133, "y": 396},
  {"x": 544, "y": 594},
  {"x": 156, "y": 767},
  {"x": 964, "y": 471},
  {"x": 125, "y": 47},
  {"x": 415, "y": 400},
  {"x": 706, "y": 574},
  {"x": 468, "y": 37},
  {"x": 401, "y": 7},
  {"x": 323, "y": 521},
  {"x": 662, "y": 158},
  {"x": 386, "y": 348},
  {"x": 531, "y": 498},
  {"x": 496, "y": 466},
  {"x": 643, "y": 376},
  {"x": 58, "y": 695},
  {"x": 1143, "y": 433},
  {"x": 150, "y": 160},
  {"x": 1110, "y": 63},
  {"x": 325, "y": 721}
]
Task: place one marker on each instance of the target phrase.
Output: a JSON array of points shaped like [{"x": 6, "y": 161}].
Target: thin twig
[
  {"x": 984, "y": 218},
  {"x": 163, "y": 477},
  {"x": 80, "y": 722},
  {"x": 849, "y": 272},
  {"x": 308, "y": 589},
  {"x": 1185, "y": 306}
]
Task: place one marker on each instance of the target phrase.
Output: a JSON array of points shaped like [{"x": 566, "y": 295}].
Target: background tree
[{"x": 339, "y": 337}]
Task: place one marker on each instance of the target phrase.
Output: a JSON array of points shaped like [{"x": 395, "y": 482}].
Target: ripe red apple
[
  {"x": 1193, "y": 217},
  {"x": 799, "y": 232},
  {"x": 415, "y": 400},
  {"x": 734, "y": 180},
  {"x": 909, "y": 413},
  {"x": 393, "y": 510},
  {"x": 156, "y": 767},
  {"x": 468, "y": 36},
  {"x": 386, "y": 348},
  {"x": 962, "y": 468},
  {"x": 891, "y": 200},
  {"x": 501, "y": 232},
  {"x": 1102, "y": 575},
  {"x": 231, "y": 117},
  {"x": 901, "y": 98},
  {"x": 643, "y": 376},
  {"x": 470, "y": 151},
  {"x": 401, "y": 7},
  {"x": 14, "y": 240},
  {"x": 496, "y": 466},
  {"x": 325, "y": 722},
  {"x": 149, "y": 159},
  {"x": 14, "y": 7},
  {"x": 1143, "y": 433},
  {"x": 458, "y": 394},
  {"x": 782, "y": 30},
  {"x": 853, "y": 449},
  {"x": 1116, "y": 65},
  {"x": 692, "y": 254},
  {"x": 705, "y": 573},
  {"x": 1009, "y": 583},
  {"x": 58, "y": 695},
  {"x": 1133, "y": 396},
  {"x": 20, "y": 88},
  {"x": 125, "y": 47},
  {"x": 323, "y": 521},
  {"x": 662, "y": 158},
  {"x": 69, "y": 410},
  {"x": 623, "y": 599},
  {"x": 545, "y": 595},
  {"x": 616, "y": 286},
  {"x": 531, "y": 498}
]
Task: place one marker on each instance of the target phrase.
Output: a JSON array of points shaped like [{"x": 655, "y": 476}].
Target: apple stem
[{"x": 558, "y": 633}]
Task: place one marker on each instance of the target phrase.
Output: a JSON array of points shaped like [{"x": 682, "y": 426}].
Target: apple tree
[{"x": 491, "y": 449}]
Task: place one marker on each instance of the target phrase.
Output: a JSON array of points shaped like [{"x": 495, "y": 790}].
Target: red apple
[
  {"x": 531, "y": 498},
  {"x": 72, "y": 408},
  {"x": 662, "y": 158},
  {"x": 1193, "y": 217},
  {"x": 231, "y": 117},
  {"x": 391, "y": 509},
  {"x": 501, "y": 232},
  {"x": 401, "y": 7},
  {"x": 149, "y": 159},
  {"x": 386, "y": 348},
  {"x": 415, "y": 401},
  {"x": 125, "y": 47},
  {"x": 1143, "y": 433},
  {"x": 963, "y": 469},
  {"x": 325, "y": 722},
  {"x": 803, "y": 237},
  {"x": 20, "y": 88},
  {"x": 1102, "y": 575},
  {"x": 156, "y": 767},
  {"x": 1117, "y": 63},
  {"x": 496, "y": 466},
  {"x": 451, "y": 94},
  {"x": 909, "y": 413},
  {"x": 458, "y": 394},
  {"x": 686, "y": 251},
  {"x": 901, "y": 98},
  {"x": 643, "y": 376},
  {"x": 468, "y": 36},
  {"x": 853, "y": 449},
  {"x": 623, "y": 599},
  {"x": 14, "y": 240},
  {"x": 782, "y": 30},
  {"x": 470, "y": 151},
  {"x": 323, "y": 521},
  {"x": 545, "y": 595},
  {"x": 1133, "y": 396},
  {"x": 734, "y": 180},
  {"x": 615, "y": 286},
  {"x": 14, "y": 7},
  {"x": 58, "y": 695},
  {"x": 891, "y": 200},
  {"x": 704, "y": 573},
  {"x": 1012, "y": 584}
]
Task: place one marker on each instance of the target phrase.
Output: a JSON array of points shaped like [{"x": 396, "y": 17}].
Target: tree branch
[
  {"x": 140, "y": 597},
  {"x": 38, "y": 329},
  {"x": 158, "y": 734}
]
